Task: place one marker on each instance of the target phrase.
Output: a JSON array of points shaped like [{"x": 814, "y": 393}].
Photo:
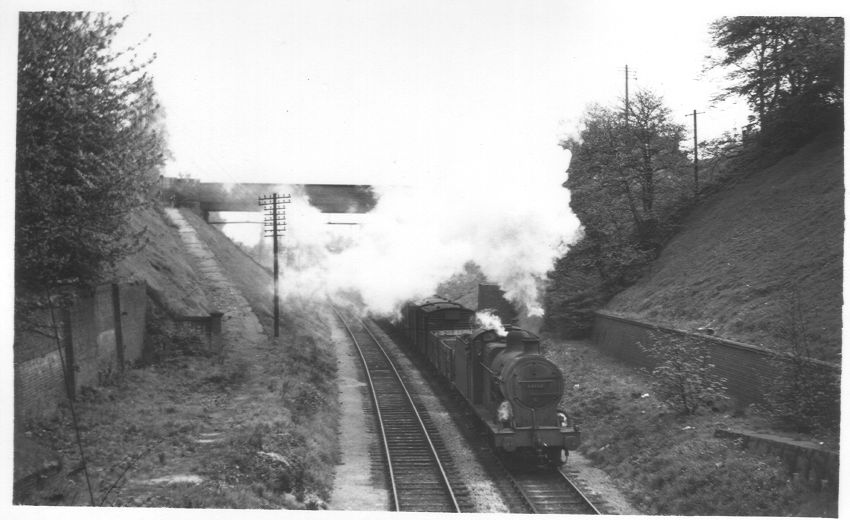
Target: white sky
[
  {"x": 393, "y": 91},
  {"x": 389, "y": 91}
]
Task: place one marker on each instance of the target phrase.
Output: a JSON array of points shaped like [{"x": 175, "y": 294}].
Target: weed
[
  {"x": 683, "y": 376},
  {"x": 233, "y": 372}
]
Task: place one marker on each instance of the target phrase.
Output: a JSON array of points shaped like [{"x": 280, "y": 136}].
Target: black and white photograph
[{"x": 354, "y": 258}]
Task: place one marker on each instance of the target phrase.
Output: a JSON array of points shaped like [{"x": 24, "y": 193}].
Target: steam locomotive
[{"x": 512, "y": 388}]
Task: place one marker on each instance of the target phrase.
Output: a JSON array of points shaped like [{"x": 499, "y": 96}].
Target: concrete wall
[{"x": 746, "y": 368}]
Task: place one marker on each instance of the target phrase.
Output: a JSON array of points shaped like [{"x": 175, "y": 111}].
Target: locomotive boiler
[{"x": 509, "y": 384}]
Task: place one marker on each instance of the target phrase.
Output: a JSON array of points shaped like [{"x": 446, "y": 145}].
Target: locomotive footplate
[{"x": 510, "y": 439}]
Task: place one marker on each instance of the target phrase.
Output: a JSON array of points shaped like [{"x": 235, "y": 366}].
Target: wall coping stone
[{"x": 723, "y": 341}]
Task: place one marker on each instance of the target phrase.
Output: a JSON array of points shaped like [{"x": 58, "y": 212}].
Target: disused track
[{"x": 417, "y": 477}]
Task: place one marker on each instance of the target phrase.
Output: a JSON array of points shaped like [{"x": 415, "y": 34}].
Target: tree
[
  {"x": 622, "y": 179},
  {"x": 89, "y": 146},
  {"x": 789, "y": 69},
  {"x": 617, "y": 168}
]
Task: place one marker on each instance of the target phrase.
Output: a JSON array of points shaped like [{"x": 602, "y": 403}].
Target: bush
[
  {"x": 683, "y": 377},
  {"x": 804, "y": 394}
]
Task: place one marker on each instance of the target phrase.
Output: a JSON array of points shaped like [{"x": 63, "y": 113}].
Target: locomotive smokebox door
[{"x": 535, "y": 384}]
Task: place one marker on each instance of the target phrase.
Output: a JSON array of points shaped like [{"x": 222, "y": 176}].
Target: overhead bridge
[{"x": 208, "y": 197}]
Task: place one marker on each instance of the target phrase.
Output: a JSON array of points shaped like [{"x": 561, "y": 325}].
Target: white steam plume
[
  {"x": 488, "y": 320},
  {"x": 513, "y": 222}
]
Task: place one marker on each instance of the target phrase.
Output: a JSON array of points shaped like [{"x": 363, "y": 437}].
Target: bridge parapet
[{"x": 206, "y": 197}]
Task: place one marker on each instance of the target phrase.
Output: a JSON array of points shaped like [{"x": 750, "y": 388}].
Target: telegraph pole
[
  {"x": 696, "y": 157},
  {"x": 627, "y": 93},
  {"x": 274, "y": 226}
]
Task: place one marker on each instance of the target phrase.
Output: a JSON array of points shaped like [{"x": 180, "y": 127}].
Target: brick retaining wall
[
  {"x": 103, "y": 331},
  {"x": 746, "y": 368},
  {"x": 94, "y": 345}
]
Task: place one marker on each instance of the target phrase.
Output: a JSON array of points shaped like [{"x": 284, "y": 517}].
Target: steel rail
[
  {"x": 418, "y": 418},
  {"x": 580, "y": 493},
  {"x": 391, "y": 365},
  {"x": 384, "y": 440}
]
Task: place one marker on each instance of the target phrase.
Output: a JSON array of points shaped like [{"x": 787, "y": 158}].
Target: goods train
[{"x": 512, "y": 388}]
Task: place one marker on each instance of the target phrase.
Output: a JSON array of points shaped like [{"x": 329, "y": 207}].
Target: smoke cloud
[{"x": 513, "y": 221}]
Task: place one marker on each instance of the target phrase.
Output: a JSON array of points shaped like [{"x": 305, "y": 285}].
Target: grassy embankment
[
  {"x": 251, "y": 427},
  {"x": 729, "y": 268},
  {"x": 671, "y": 464},
  {"x": 742, "y": 257},
  {"x": 745, "y": 255}
]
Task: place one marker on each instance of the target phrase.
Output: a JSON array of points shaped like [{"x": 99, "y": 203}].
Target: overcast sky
[
  {"x": 391, "y": 91},
  {"x": 396, "y": 91}
]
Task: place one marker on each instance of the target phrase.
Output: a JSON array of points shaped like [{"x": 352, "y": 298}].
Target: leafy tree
[
  {"x": 89, "y": 145},
  {"x": 617, "y": 169},
  {"x": 623, "y": 178},
  {"x": 789, "y": 69}
]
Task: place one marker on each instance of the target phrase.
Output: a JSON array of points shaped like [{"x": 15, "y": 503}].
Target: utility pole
[
  {"x": 696, "y": 157},
  {"x": 627, "y": 92},
  {"x": 274, "y": 226}
]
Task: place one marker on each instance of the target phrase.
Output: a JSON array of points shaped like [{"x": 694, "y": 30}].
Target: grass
[
  {"x": 670, "y": 464},
  {"x": 745, "y": 249},
  {"x": 251, "y": 427}
]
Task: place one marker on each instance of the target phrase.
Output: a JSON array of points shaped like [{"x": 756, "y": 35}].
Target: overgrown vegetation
[
  {"x": 89, "y": 147},
  {"x": 804, "y": 395},
  {"x": 789, "y": 69},
  {"x": 669, "y": 463},
  {"x": 682, "y": 376},
  {"x": 625, "y": 178},
  {"x": 254, "y": 426},
  {"x": 631, "y": 185}
]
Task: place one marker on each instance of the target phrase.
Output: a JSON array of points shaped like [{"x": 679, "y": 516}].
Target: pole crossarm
[{"x": 274, "y": 226}]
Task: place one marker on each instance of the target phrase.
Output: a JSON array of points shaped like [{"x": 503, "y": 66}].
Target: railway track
[
  {"x": 550, "y": 491},
  {"x": 528, "y": 490},
  {"x": 417, "y": 472}
]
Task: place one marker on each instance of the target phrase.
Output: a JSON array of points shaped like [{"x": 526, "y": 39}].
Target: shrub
[
  {"x": 683, "y": 376},
  {"x": 804, "y": 394}
]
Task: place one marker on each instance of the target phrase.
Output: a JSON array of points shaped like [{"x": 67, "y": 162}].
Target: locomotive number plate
[{"x": 538, "y": 393}]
